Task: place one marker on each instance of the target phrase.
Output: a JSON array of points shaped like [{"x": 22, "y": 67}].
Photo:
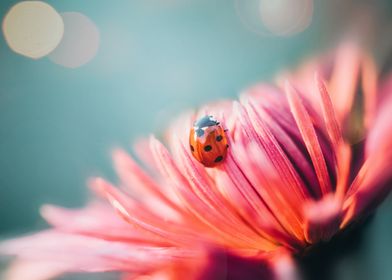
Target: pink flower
[{"x": 302, "y": 165}]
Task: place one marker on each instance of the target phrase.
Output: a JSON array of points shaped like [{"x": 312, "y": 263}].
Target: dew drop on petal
[
  {"x": 80, "y": 42},
  {"x": 33, "y": 28}
]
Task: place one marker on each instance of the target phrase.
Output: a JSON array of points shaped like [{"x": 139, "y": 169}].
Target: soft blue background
[{"x": 156, "y": 58}]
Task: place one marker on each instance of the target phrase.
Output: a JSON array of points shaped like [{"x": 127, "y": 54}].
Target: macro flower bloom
[{"x": 307, "y": 158}]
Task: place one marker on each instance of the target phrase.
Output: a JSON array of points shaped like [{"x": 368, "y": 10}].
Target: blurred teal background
[{"x": 156, "y": 58}]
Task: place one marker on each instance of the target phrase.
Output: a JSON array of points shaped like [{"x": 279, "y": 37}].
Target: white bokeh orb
[
  {"x": 286, "y": 17},
  {"x": 275, "y": 17},
  {"x": 80, "y": 42},
  {"x": 33, "y": 28}
]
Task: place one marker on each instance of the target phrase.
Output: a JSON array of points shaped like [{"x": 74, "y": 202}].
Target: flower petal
[
  {"x": 222, "y": 265},
  {"x": 228, "y": 211},
  {"x": 369, "y": 86},
  {"x": 95, "y": 220},
  {"x": 323, "y": 218},
  {"x": 161, "y": 201},
  {"x": 282, "y": 126},
  {"x": 344, "y": 78},
  {"x": 341, "y": 149},
  {"x": 265, "y": 139},
  {"x": 202, "y": 211},
  {"x": 371, "y": 185},
  {"x": 310, "y": 138},
  {"x": 38, "y": 270},
  {"x": 141, "y": 218},
  {"x": 81, "y": 253}
]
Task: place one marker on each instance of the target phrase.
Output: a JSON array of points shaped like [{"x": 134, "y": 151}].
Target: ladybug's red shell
[{"x": 208, "y": 141}]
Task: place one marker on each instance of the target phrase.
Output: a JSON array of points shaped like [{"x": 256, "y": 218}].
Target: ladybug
[{"x": 208, "y": 142}]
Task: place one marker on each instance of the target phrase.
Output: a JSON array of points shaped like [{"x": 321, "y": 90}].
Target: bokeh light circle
[
  {"x": 33, "y": 28},
  {"x": 275, "y": 17},
  {"x": 286, "y": 17},
  {"x": 80, "y": 42}
]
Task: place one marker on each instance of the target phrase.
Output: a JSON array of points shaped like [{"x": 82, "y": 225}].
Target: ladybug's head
[{"x": 205, "y": 121}]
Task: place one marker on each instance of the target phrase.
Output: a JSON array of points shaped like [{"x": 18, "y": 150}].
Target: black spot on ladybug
[
  {"x": 219, "y": 138},
  {"x": 218, "y": 159},
  {"x": 192, "y": 149},
  {"x": 207, "y": 148},
  {"x": 227, "y": 145}
]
